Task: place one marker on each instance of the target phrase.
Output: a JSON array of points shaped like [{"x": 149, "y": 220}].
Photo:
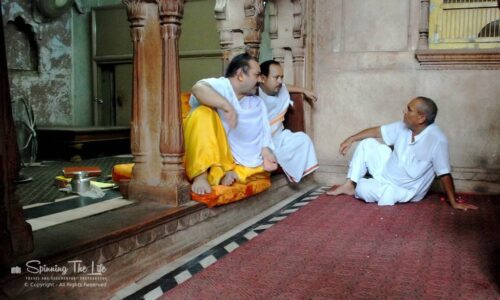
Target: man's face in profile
[
  {"x": 251, "y": 78},
  {"x": 412, "y": 116}
]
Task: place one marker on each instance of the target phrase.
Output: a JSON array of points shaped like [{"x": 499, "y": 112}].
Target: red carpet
[{"x": 341, "y": 248}]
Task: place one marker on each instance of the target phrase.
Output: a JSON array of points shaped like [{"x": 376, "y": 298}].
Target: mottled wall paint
[{"x": 47, "y": 86}]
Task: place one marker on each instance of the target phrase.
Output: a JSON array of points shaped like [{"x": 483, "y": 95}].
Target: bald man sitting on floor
[{"x": 404, "y": 174}]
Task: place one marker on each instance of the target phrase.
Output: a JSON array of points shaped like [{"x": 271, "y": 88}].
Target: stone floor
[{"x": 41, "y": 188}]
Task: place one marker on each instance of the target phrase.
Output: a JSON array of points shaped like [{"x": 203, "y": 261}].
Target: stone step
[{"x": 132, "y": 241}]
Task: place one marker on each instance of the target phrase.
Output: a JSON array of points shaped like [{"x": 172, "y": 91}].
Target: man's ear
[
  {"x": 239, "y": 74},
  {"x": 421, "y": 118}
]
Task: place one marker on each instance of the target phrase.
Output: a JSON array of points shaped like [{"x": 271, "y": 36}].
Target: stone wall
[
  {"x": 39, "y": 62},
  {"x": 365, "y": 73}
]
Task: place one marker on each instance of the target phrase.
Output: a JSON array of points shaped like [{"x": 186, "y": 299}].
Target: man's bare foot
[
  {"x": 200, "y": 185},
  {"x": 347, "y": 188},
  {"x": 229, "y": 178},
  {"x": 269, "y": 165}
]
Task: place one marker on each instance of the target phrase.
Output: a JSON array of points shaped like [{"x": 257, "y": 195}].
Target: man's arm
[
  {"x": 449, "y": 188},
  {"x": 206, "y": 95},
  {"x": 373, "y": 132},
  {"x": 311, "y": 96}
]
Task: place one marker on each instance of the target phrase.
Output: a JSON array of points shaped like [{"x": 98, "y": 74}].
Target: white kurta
[
  {"x": 252, "y": 132},
  {"x": 294, "y": 150},
  {"x": 404, "y": 174}
]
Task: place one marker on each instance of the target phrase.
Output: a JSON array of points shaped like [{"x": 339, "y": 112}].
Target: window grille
[{"x": 464, "y": 24}]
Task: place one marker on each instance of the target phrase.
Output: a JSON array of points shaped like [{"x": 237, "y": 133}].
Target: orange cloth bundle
[
  {"x": 226, "y": 194},
  {"x": 220, "y": 194},
  {"x": 122, "y": 172}
]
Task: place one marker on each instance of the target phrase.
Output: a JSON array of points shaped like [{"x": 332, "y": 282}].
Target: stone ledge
[{"x": 438, "y": 59}]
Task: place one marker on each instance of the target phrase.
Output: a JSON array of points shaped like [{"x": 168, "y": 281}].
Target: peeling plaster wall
[
  {"x": 365, "y": 73},
  {"x": 46, "y": 86}
]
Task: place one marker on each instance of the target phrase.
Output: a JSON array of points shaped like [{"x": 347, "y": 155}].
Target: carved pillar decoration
[
  {"x": 136, "y": 12},
  {"x": 220, "y": 9},
  {"x": 16, "y": 236},
  {"x": 287, "y": 34},
  {"x": 225, "y": 33},
  {"x": 298, "y": 59},
  {"x": 226, "y": 44},
  {"x": 297, "y": 19},
  {"x": 240, "y": 25},
  {"x": 273, "y": 20},
  {"x": 253, "y": 25},
  {"x": 157, "y": 137},
  {"x": 171, "y": 135},
  {"x": 423, "y": 28},
  {"x": 279, "y": 55}
]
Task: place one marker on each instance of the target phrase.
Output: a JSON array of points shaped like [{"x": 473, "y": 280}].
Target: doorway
[{"x": 113, "y": 104}]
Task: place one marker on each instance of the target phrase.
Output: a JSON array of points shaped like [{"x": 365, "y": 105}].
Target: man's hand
[
  {"x": 373, "y": 132},
  {"x": 311, "y": 96},
  {"x": 269, "y": 160},
  {"x": 346, "y": 145},
  {"x": 449, "y": 188},
  {"x": 463, "y": 206},
  {"x": 230, "y": 114}
]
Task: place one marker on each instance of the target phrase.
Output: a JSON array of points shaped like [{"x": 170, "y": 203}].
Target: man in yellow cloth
[
  {"x": 294, "y": 150},
  {"x": 227, "y": 135}
]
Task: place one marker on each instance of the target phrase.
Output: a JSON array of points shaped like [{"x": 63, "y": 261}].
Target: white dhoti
[
  {"x": 294, "y": 150},
  {"x": 295, "y": 154},
  {"x": 372, "y": 156}
]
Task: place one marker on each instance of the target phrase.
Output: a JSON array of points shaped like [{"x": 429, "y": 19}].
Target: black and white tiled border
[{"x": 168, "y": 277}]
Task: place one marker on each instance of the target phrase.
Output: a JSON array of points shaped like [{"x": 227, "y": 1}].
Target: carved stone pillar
[
  {"x": 226, "y": 44},
  {"x": 173, "y": 177},
  {"x": 225, "y": 34},
  {"x": 157, "y": 138},
  {"x": 298, "y": 59},
  {"x": 136, "y": 11},
  {"x": 287, "y": 34},
  {"x": 240, "y": 25},
  {"x": 423, "y": 28},
  {"x": 279, "y": 55},
  {"x": 297, "y": 19},
  {"x": 273, "y": 20},
  {"x": 253, "y": 25},
  {"x": 16, "y": 236}
]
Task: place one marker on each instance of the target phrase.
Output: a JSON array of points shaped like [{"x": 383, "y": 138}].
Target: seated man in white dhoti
[
  {"x": 294, "y": 150},
  {"x": 227, "y": 137},
  {"x": 404, "y": 174}
]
